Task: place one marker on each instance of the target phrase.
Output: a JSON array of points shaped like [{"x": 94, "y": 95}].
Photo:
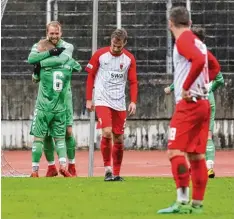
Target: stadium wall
[
  {"x": 23, "y": 24},
  {"x": 146, "y": 130}
]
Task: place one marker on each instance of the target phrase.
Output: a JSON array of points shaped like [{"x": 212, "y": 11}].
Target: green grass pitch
[{"x": 92, "y": 198}]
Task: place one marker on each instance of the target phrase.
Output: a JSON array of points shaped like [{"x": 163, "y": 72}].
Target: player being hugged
[
  {"x": 189, "y": 125},
  {"x": 49, "y": 145},
  {"x": 108, "y": 71}
]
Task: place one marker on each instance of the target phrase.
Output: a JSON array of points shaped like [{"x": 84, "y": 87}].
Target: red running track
[{"x": 135, "y": 163}]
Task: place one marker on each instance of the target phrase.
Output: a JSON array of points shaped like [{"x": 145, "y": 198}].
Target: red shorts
[
  {"x": 189, "y": 126},
  {"x": 108, "y": 117}
]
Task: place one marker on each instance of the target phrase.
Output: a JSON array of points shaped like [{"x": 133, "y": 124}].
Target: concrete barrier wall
[{"x": 147, "y": 129}]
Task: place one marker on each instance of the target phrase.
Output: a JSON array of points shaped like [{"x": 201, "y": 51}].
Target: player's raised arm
[
  {"x": 186, "y": 47},
  {"x": 54, "y": 61},
  {"x": 42, "y": 46},
  {"x": 61, "y": 59},
  {"x": 35, "y": 56}
]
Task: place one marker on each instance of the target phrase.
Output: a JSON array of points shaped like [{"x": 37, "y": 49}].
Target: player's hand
[
  {"x": 132, "y": 108},
  {"x": 167, "y": 90},
  {"x": 56, "y": 51},
  {"x": 89, "y": 105},
  {"x": 35, "y": 79},
  {"x": 186, "y": 95},
  {"x": 37, "y": 69}
]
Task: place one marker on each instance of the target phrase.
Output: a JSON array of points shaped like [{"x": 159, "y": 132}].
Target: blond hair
[
  {"x": 54, "y": 24},
  {"x": 44, "y": 45}
]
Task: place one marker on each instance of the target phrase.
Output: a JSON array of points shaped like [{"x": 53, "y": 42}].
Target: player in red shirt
[
  {"x": 108, "y": 71},
  {"x": 194, "y": 67},
  {"x": 213, "y": 85}
]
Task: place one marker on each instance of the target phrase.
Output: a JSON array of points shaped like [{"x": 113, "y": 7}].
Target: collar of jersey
[{"x": 59, "y": 42}]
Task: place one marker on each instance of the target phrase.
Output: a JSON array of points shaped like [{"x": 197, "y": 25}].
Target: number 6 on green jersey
[{"x": 57, "y": 81}]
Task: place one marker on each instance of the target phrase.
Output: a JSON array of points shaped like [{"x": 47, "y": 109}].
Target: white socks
[
  {"x": 63, "y": 161},
  {"x": 108, "y": 169},
  {"x": 35, "y": 167},
  {"x": 210, "y": 164},
  {"x": 183, "y": 195}
]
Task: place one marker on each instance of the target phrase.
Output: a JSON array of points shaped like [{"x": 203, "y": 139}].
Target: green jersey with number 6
[{"x": 53, "y": 87}]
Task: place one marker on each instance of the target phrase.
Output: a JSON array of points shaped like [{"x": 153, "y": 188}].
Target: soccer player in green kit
[
  {"x": 213, "y": 85},
  {"x": 59, "y": 84},
  {"x": 44, "y": 45}
]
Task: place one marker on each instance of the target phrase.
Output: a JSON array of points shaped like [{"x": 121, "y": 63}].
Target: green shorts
[
  {"x": 212, "y": 111},
  {"x": 46, "y": 122},
  {"x": 69, "y": 111}
]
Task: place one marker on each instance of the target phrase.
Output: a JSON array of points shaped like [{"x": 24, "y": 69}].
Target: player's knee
[
  {"x": 69, "y": 131},
  {"x": 60, "y": 143},
  {"x": 37, "y": 147},
  {"x": 118, "y": 138},
  {"x": 173, "y": 153},
  {"x": 107, "y": 132},
  {"x": 182, "y": 169}
]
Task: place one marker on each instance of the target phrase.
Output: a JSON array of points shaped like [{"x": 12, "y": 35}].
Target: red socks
[
  {"x": 180, "y": 171},
  {"x": 117, "y": 155},
  {"x": 199, "y": 178},
  {"x": 106, "y": 146},
  {"x": 198, "y": 172}
]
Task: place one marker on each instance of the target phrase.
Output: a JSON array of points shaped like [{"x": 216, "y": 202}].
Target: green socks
[
  {"x": 210, "y": 154},
  {"x": 49, "y": 149},
  {"x": 37, "y": 149},
  {"x": 60, "y": 148},
  {"x": 49, "y": 146},
  {"x": 71, "y": 143}
]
